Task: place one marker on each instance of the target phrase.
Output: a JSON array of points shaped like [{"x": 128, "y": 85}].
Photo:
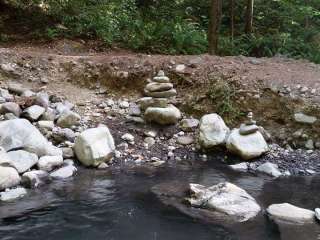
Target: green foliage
[{"x": 287, "y": 27}]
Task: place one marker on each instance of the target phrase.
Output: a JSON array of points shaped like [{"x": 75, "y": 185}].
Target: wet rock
[
  {"x": 64, "y": 172},
  {"x": 48, "y": 163},
  {"x": 22, "y": 161},
  {"x": 213, "y": 131},
  {"x": 34, "y": 112},
  {"x": 270, "y": 169},
  {"x": 247, "y": 147},
  {"x": 35, "y": 178},
  {"x": 68, "y": 119},
  {"x": 94, "y": 146},
  {"x": 9, "y": 177},
  {"x": 289, "y": 213},
  {"x": 225, "y": 198},
  {"x": 13, "y": 194},
  {"x": 21, "y": 134},
  {"x": 163, "y": 116},
  {"x": 189, "y": 124},
  {"x": 303, "y": 118},
  {"x": 11, "y": 107}
]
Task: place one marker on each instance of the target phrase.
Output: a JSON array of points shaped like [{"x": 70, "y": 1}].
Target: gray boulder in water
[
  {"x": 21, "y": 134},
  {"x": 225, "y": 198}
]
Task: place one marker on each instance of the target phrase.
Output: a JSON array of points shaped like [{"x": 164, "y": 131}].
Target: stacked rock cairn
[
  {"x": 249, "y": 127},
  {"x": 156, "y": 106}
]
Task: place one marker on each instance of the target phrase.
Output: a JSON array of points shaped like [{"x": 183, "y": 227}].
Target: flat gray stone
[
  {"x": 303, "y": 118},
  {"x": 163, "y": 94},
  {"x": 158, "y": 87}
]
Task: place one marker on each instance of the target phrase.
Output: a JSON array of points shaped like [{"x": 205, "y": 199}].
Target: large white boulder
[
  {"x": 248, "y": 146},
  {"x": 94, "y": 146},
  {"x": 9, "y": 177},
  {"x": 22, "y": 160},
  {"x": 164, "y": 116},
  {"x": 213, "y": 131},
  {"x": 21, "y": 134},
  {"x": 289, "y": 213},
  {"x": 225, "y": 198}
]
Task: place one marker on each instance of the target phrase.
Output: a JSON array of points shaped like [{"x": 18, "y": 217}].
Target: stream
[{"x": 118, "y": 205}]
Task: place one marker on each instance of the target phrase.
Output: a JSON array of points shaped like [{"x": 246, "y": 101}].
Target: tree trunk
[
  {"x": 249, "y": 16},
  {"x": 214, "y": 26},
  {"x": 232, "y": 19}
]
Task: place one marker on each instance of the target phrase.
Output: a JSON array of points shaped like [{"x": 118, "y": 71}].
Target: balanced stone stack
[
  {"x": 156, "y": 105},
  {"x": 247, "y": 141}
]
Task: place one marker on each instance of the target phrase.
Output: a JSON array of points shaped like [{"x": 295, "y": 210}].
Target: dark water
[{"x": 119, "y": 206}]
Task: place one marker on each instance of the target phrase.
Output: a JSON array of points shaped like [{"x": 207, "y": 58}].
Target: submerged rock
[
  {"x": 94, "y": 146},
  {"x": 225, "y": 198},
  {"x": 13, "y": 194},
  {"x": 248, "y": 146},
  {"x": 213, "y": 131},
  {"x": 290, "y": 213}
]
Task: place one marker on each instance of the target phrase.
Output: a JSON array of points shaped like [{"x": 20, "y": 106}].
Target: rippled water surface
[{"x": 119, "y": 205}]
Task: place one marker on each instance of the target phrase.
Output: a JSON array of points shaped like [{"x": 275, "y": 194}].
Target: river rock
[
  {"x": 22, "y": 160},
  {"x": 94, "y": 146},
  {"x": 21, "y": 134},
  {"x": 247, "y": 147},
  {"x": 34, "y": 112},
  {"x": 226, "y": 198},
  {"x": 64, "y": 172},
  {"x": 270, "y": 169},
  {"x": 158, "y": 87},
  {"x": 11, "y": 107},
  {"x": 5, "y": 159},
  {"x": 35, "y": 178},
  {"x": 213, "y": 131},
  {"x": 290, "y": 213},
  {"x": 13, "y": 194},
  {"x": 6, "y": 95},
  {"x": 303, "y": 118},
  {"x": 162, "y": 94},
  {"x": 67, "y": 153},
  {"x": 242, "y": 167},
  {"x": 163, "y": 116},
  {"x": 9, "y": 177},
  {"x": 48, "y": 163},
  {"x": 188, "y": 125},
  {"x": 146, "y": 102},
  {"x": 185, "y": 140},
  {"x": 48, "y": 125},
  {"x": 49, "y": 115},
  {"x": 68, "y": 119},
  {"x": 42, "y": 99}
]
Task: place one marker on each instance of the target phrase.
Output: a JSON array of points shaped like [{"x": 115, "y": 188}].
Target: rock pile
[
  {"x": 40, "y": 135},
  {"x": 156, "y": 106}
]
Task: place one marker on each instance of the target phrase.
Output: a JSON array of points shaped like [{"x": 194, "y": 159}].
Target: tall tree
[
  {"x": 214, "y": 25},
  {"x": 249, "y": 17}
]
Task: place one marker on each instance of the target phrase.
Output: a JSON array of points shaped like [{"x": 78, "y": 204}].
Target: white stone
[
  {"x": 240, "y": 166},
  {"x": 290, "y": 213},
  {"x": 64, "y": 172},
  {"x": 163, "y": 116},
  {"x": 13, "y": 194},
  {"x": 270, "y": 169},
  {"x": 21, "y": 134},
  {"x": 128, "y": 137},
  {"x": 9, "y": 177},
  {"x": 180, "y": 68},
  {"x": 49, "y": 125},
  {"x": 5, "y": 159},
  {"x": 247, "y": 147},
  {"x": 34, "y": 112},
  {"x": 317, "y": 213},
  {"x": 94, "y": 146},
  {"x": 303, "y": 118},
  {"x": 213, "y": 131},
  {"x": 225, "y": 198},
  {"x": 22, "y": 161},
  {"x": 48, "y": 163}
]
